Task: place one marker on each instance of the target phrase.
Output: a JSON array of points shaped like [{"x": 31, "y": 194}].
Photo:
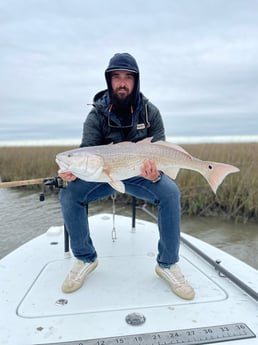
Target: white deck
[{"x": 123, "y": 283}]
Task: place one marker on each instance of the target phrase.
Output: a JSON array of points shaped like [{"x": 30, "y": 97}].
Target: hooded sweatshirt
[
  {"x": 106, "y": 123},
  {"x": 124, "y": 62}
]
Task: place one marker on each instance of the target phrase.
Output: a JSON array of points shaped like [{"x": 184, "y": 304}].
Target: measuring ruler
[{"x": 191, "y": 336}]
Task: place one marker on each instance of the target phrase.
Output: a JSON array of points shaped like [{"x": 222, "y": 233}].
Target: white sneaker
[
  {"x": 176, "y": 280},
  {"x": 77, "y": 275}
]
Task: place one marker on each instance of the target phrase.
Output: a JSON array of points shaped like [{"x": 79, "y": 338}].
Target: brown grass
[
  {"x": 236, "y": 198},
  {"x": 21, "y": 163}
]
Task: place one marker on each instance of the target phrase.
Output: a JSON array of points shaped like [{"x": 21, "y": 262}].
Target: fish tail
[{"x": 216, "y": 173}]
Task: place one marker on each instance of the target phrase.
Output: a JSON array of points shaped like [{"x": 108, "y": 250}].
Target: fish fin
[
  {"x": 145, "y": 140},
  {"x": 216, "y": 173},
  {"x": 171, "y": 172},
  {"x": 117, "y": 185},
  {"x": 173, "y": 146},
  {"x": 124, "y": 143}
]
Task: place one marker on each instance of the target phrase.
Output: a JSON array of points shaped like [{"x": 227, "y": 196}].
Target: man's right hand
[{"x": 67, "y": 176}]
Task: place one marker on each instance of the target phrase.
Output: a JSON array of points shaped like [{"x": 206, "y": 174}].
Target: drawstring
[{"x": 147, "y": 116}]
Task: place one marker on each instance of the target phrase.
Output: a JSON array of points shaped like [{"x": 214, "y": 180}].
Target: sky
[{"x": 198, "y": 63}]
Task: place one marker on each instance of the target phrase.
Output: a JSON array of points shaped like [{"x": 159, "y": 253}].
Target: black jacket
[{"x": 102, "y": 126}]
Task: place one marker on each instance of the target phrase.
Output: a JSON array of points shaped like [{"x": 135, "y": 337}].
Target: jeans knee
[
  {"x": 67, "y": 197},
  {"x": 172, "y": 193}
]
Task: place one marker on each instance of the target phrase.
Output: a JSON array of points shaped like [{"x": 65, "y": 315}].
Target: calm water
[{"x": 24, "y": 217}]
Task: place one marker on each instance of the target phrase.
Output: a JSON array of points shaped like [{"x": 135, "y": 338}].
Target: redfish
[{"x": 115, "y": 162}]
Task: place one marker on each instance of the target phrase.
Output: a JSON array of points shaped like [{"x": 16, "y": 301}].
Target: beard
[{"x": 121, "y": 101}]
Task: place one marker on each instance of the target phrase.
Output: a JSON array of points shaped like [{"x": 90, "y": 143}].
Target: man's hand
[
  {"x": 67, "y": 176},
  {"x": 149, "y": 170}
]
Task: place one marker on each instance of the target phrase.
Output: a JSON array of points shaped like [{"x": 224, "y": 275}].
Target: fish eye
[{"x": 210, "y": 167}]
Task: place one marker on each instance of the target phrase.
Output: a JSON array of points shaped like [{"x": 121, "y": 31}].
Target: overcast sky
[{"x": 197, "y": 59}]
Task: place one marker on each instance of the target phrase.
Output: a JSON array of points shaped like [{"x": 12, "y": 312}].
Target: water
[
  {"x": 24, "y": 217},
  {"x": 178, "y": 139}
]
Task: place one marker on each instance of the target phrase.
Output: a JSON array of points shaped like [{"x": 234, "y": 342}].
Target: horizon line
[{"x": 173, "y": 139}]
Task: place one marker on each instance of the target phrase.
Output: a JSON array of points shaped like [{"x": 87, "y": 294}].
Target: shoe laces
[
  {"x": 77, "y": 272},
  {"x": 175, "y": 275}
]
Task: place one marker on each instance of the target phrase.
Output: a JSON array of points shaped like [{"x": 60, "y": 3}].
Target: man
[{"x": 123, "y": 113}]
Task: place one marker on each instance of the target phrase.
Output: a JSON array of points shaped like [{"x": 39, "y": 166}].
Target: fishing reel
[{"x": 53, "y": 183}]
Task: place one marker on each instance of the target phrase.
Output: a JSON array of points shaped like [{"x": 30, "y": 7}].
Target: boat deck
[{"x": 37, "y": 312}]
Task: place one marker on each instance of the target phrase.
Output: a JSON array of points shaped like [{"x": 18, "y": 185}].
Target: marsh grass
[
  {"x": 22, "y": 163},
  {"x": 236, "y": 198}
]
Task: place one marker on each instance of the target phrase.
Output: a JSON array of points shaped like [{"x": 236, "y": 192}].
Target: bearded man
[{"x": 122, "y": 113}]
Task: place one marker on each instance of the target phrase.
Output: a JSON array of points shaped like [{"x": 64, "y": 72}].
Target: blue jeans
[{"x": 164, "y": 194}]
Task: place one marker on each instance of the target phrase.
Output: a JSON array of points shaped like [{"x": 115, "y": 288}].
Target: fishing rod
[
  {"x": 35, "y": 181},
  {"x": 51, "y": 182},
  {"x": 215, "y": 263},
  {"x": 48, "y": 181}
]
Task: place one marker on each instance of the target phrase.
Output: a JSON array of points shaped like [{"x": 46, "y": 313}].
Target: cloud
[{"x": 194, "y": 57}]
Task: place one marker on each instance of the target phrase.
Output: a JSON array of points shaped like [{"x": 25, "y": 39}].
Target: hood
[{"x": 125, "y": 62}]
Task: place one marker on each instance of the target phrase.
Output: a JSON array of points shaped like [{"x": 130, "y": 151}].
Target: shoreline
[{"x": 216, "y": 139}]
